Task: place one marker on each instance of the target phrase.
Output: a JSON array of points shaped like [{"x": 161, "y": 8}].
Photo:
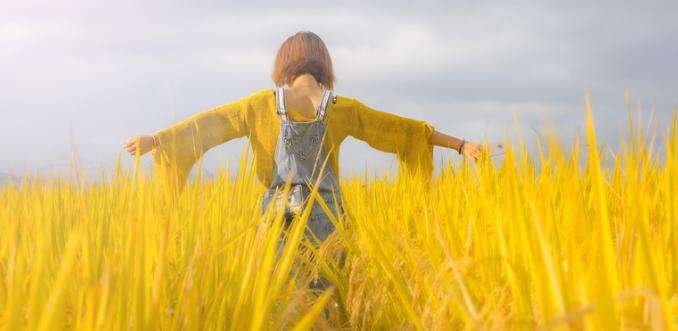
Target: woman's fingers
[
  {"x": 130, "y": 145},
  {"x": 476, "y": 152},
  {"x": 129, "y": 142},
  {"x": 140, "y": 144}
]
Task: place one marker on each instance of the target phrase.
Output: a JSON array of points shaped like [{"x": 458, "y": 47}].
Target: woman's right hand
[
  {"x": 144, "y": 143},
  {"x": 471, "y": 150},
  {"x": 475, "y": 151}
]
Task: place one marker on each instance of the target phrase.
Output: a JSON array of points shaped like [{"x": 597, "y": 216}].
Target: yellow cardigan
[{"x": 254, "y": 116}]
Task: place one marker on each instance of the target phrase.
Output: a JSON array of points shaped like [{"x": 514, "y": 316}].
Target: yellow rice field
[{"x": 583, "y": 239}]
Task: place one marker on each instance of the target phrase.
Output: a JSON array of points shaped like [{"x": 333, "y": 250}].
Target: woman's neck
[
  {"x": 304, "y": 95},
  {"x": 305, "y": 81}
]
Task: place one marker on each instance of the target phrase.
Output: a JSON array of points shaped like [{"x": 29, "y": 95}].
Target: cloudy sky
[{"x": 88, "y": 74}]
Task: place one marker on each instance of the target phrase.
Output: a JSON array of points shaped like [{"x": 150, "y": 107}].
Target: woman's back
[{"x": 303, "y": 101}]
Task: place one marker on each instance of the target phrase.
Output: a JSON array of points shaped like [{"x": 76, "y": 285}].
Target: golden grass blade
[{"x": 307, "y": 321}]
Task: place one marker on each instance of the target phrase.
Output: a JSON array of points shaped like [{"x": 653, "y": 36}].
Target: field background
[{"x": 550, "y": 241}]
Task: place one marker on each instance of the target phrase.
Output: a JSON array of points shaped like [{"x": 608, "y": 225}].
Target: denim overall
[{"x": 299, "y": 158}]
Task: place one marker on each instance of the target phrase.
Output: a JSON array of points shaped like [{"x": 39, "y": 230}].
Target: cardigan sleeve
[
  {"x": 183, "y": 144},
  {"x": 405, "y": 137}
]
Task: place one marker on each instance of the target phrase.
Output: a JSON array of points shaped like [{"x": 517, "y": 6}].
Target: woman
[{"x": 296, "y": 129}]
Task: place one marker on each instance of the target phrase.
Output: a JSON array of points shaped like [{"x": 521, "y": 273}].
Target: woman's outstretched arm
[
  {"x": 407, "y": 138},
  {"x": 411, "y": 140},
  {"x": 392, "y": 133},
  {"x": 177, "y": 148},
  {"x": 464, "y": 147}
]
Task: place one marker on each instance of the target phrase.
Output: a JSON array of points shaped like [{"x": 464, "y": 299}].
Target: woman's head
[{"x": 303, "y": 53}]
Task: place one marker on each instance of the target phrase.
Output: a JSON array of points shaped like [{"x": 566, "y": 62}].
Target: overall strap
[
  {"x": 322, "y": 107},
  {"x": 280, "y": 107}
]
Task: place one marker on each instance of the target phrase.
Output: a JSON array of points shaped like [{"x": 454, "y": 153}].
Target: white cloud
[{"x": 107, "y": 70}]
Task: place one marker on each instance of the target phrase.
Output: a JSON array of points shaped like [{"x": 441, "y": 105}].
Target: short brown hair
[{"x": 303, "y": 53}]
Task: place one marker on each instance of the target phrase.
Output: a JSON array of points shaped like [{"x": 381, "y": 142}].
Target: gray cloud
[{"x": 107, "y": 70}]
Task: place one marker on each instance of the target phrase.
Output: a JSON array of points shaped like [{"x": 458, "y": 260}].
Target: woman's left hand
[{"x": 144, "y": 143}]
